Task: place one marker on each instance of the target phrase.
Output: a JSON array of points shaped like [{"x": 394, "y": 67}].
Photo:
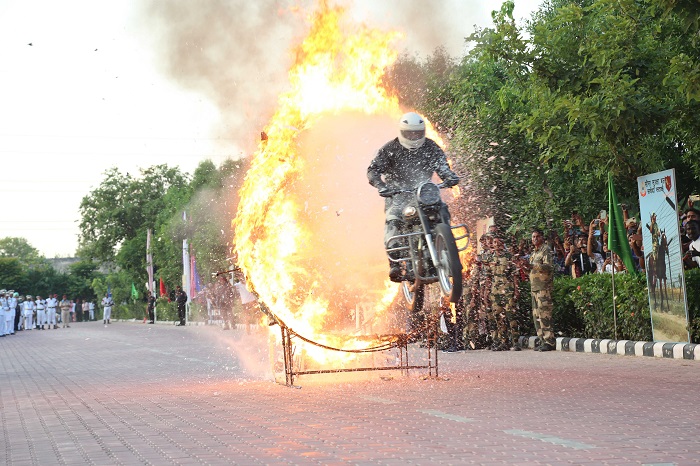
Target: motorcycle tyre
[
  {"x": 414, "y": 299},
  {"x": 445, "y": 242}
]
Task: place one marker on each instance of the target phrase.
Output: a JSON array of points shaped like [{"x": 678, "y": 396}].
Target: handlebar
[{"x": 404, "y": 191}]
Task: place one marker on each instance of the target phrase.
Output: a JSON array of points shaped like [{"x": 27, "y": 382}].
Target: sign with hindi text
[{"x": 662, "y": 256}]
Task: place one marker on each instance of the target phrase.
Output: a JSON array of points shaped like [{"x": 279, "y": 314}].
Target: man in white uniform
[
  {"x": 107, "y": 304},
  {"x": 91, "y": 308},
  {"x": 51, "y": 305},
  {"x": 28, "y": 312},
  {"x": 10, "y": 315},
  {"x": 4, "y": 309},
  {"x": 40, "y": 312}
]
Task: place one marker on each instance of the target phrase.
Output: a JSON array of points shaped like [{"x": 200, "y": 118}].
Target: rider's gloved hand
[
  {"x": 386, "y": 191},
  {"x": 448, "y": 183}
]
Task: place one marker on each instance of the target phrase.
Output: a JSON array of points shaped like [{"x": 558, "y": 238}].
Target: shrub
[
  {"x": 166, "y": 310},
  {"x": 592, "y": 299},
  {"x": 128, "y": 310},
  {"x": 566, "y": 319}
]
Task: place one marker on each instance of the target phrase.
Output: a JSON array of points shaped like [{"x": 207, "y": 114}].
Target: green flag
[
  {"x": 134, "y": 293},
  {"x": 617, "y": 234}
]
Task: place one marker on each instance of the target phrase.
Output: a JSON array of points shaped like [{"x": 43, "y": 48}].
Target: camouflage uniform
[
  {"x": 485, "y": 280},
  {"x": 503, "y": 301},
  {"x": 472, "y": 336},
  {"x": 541, "y": 283}
]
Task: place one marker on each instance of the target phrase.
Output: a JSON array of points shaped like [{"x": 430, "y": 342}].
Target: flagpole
[
  {"x": 186, "y": 276},
  {"x": 614, "y": 298}
]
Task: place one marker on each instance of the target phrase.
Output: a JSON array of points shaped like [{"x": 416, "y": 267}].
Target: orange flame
[{"x": 309, "y": 227}]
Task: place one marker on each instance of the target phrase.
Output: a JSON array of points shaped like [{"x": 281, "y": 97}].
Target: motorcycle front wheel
[
  {"x": 414, "y": 295},
  {"x": 449, "y": 267}
]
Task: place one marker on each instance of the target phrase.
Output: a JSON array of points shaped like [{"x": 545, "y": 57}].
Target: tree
[
  {"x": 119, "y": 212},
  {"x": 121, "y": 207},
  {"x": 12, "y": 274},
  {"x": 81, "y": 276},
  {"x": 20, "y": 248},
  {"x": 539, "y": 119}
]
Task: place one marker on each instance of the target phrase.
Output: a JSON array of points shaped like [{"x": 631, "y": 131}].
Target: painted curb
[{"x": 656, "y": 349}]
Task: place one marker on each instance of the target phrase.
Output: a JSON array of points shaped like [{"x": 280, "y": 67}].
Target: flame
[{"x": 309, "y": 227}]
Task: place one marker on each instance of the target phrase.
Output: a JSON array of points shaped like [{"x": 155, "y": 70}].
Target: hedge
[{"x": 583, "y": 307}]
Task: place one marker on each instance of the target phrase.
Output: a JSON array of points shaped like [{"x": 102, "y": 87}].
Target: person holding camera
[
  {"x": 594, "y": 245},
  {"x": 691, "y": 259},
  {"x": 577, "y": 258}
]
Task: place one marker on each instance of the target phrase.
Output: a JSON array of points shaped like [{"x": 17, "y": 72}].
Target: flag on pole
[
  {"x": 149, "y": 262},
  {"x": 186, "y": 272},
  {"x": 195, "y": 279},
  {"x": 134, "y": 293},
  {"x": 162, "y": 290},
  {"x": 617, "y": 234}
]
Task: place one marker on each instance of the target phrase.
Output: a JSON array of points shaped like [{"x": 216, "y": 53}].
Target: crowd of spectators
[
  {"x": 25, "y": 312},
  {"x": 489, "y": 317}
]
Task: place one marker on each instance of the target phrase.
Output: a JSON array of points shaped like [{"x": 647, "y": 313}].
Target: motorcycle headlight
[
  {"x": 409, "y": 211},
  {"x": 428, "y": 194}
]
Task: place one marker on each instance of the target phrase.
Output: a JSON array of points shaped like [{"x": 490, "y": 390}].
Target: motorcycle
[{"x": 426, "y": 247}]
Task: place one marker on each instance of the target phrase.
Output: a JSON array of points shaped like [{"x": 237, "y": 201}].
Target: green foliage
[
  {"x": 121, "y": 207},
  {"x": 46, "y": 281},
  {"x": 592, "y": 299},
  {"x": 129, "y": 310},
  {"x": 539, "y": 115},
  {"x": 80, "y": 280},
  {"x": 166, "y": 310},
  {"x": 12, "y": 274},
  {"x": 28, "y": 256},
  {"x": 416, "y": 82},
  {"x": 117, "y": 215},
  {"x": 567, "y": 320}
]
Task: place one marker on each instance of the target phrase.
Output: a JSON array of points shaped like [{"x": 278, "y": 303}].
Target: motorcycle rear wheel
[
  {"x": 414, "y": 295},
  {"x": 449, "y": 267}
]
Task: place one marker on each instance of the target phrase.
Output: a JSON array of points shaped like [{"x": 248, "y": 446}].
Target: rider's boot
[
  {"x": 395, "y": 272},
  {"x": 395, "y": 269}
]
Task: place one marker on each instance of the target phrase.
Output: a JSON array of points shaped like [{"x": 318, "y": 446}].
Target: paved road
[{"x": 131, "y": 393}]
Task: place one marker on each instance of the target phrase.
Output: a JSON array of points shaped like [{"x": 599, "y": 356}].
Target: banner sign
[{"x": 662, "y": 255}]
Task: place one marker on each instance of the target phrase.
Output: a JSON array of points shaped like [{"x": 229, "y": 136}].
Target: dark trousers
[
  {"x": 454, "y": 331},
  {"x": 181, "y": 314},
  {"x": 151, "y": 315}
]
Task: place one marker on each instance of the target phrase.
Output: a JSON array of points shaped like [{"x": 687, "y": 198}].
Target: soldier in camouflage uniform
[
  {"x": 472, "y": 298},
  {"x": 541, "y": 283},
  {"x": 485, "y": 279},
  {"x": 504, "y": 324}
]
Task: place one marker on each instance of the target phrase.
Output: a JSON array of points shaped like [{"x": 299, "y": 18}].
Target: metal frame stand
[{"x": 402, "y": 344}]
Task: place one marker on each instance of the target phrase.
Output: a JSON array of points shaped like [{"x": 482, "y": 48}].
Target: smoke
[
  {"x": 237, "y": 53},
  {"x": 427, "y": 25}
]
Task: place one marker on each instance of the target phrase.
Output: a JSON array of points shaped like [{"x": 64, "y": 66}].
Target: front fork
[{"x": 428, "y": 236}]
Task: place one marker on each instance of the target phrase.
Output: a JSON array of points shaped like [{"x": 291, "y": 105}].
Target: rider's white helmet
[{"x": 411, "y": 130}]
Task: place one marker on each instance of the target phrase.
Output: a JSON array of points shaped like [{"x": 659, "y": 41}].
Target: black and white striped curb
[{"x": 657, "y": 349}]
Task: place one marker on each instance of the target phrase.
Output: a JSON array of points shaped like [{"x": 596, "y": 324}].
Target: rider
[{"x": 402, "y": 164}]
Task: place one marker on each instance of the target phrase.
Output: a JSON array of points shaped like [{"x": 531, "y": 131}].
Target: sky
[{"x": 86, "y": 86}]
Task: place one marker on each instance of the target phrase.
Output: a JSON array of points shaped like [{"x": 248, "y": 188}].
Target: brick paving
[{"x": 130, "y": 393}]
